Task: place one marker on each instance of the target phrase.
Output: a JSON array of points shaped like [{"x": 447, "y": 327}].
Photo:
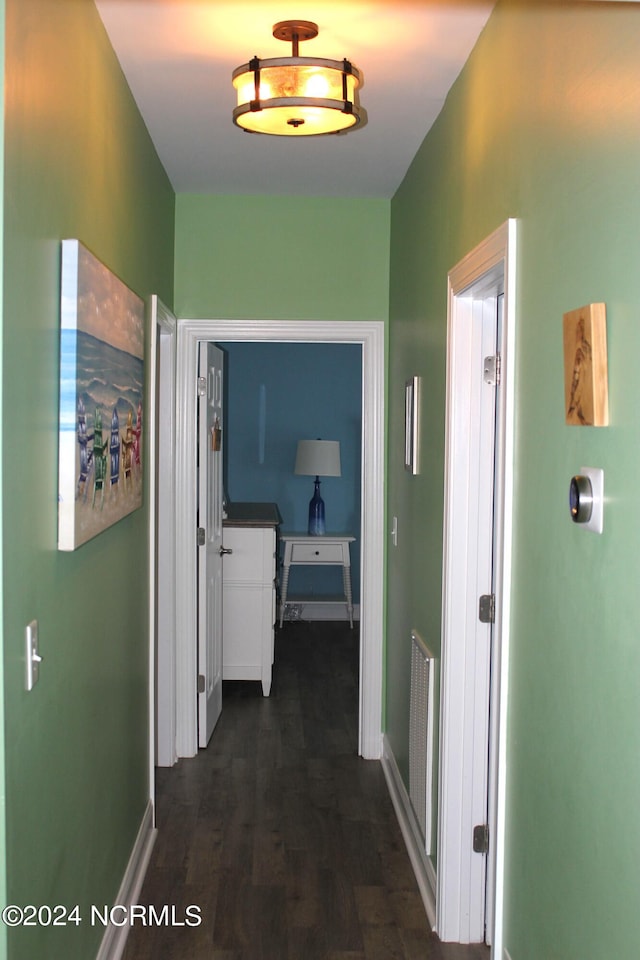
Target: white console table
[{"x": 326, "y": 550}]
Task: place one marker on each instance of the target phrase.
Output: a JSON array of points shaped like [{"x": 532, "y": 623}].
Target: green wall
[
  {"x": 542, "y": 125},
  {"x": 281, "y": 258},
  {"x": 3, "y": 806},
  {"x": 78, "y": 163}
]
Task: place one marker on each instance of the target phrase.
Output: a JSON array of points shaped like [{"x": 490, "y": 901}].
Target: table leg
[
  {"x": 346, "y": 580},
  {"x": 283, "y": 590}
]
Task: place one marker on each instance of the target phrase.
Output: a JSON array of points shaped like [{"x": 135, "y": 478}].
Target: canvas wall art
[{"x": 101, "y": 398}]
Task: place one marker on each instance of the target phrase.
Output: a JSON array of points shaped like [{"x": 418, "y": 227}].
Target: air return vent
[{"x": 423, "y": 668}]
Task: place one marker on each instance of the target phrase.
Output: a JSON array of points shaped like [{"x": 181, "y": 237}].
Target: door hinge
[
  {"x": 492, "y": 370},
  {"x": 202, "y": 386},
  {"x": 201, "y": 536},
  {"x": 487, "y": 608},
  {"x": 481, "y": 838},
  {"x": 201, "y": 688}
]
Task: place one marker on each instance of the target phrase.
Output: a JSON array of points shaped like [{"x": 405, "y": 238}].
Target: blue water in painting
[{"x": 102, "y": 375}]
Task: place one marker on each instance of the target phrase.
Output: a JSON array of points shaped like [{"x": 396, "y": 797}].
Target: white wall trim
[
  {"x": 115, "y": 937},
  {"x": 371, "y": 335},
  {"x": 500, "y": 678},
  {"x": 421, "y": 863},
  {"x": 455, "y": 859}
]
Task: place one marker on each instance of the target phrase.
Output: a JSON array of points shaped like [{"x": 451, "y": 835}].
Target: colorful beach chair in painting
[
  {"x": 114, "y": 449},
  {"x": 86, "y": 454},
  {"x": 99, "y": 459},
  {"x": 127, "y": 449}
]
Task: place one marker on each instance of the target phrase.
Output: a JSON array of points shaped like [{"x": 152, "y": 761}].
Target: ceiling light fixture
[{"x": 297, "y": 96}]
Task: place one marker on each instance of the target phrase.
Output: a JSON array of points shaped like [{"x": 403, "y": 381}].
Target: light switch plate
[
  {"x": 394, "y": 532},
  {"x": 32, "y": 655}
]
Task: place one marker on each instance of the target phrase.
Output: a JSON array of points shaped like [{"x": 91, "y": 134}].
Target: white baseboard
[
  {"x": 318, "y": 610},
  {"x": 115, "y": 937},
  {"x": 421, "y": 863}
]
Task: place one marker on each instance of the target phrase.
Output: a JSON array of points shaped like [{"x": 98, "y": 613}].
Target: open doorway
[
  {"x": 370, "y": 336},
  {"x": 275, "y": 395}
]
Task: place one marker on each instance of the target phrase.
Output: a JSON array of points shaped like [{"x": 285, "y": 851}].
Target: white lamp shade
[{"x": 318, "y": 458}]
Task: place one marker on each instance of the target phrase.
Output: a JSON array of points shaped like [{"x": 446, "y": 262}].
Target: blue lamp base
[{"x": 316, "y": 512}]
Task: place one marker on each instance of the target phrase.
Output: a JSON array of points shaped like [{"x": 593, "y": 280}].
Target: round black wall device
[{"x": 580, "y": 499}]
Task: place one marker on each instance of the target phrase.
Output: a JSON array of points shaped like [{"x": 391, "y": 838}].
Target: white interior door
[
  {"x": 210, "y": 486},
  {"x": 467, "y": 632},
  {"x": 478, "y": 498},
  {"x": 484, "y": 615}
]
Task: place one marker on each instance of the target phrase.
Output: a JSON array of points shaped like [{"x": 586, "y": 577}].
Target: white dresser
[{"x": 249, "y": 593}]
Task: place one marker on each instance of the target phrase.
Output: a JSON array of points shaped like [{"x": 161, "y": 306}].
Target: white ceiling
[{"x": 178, "y": 56}]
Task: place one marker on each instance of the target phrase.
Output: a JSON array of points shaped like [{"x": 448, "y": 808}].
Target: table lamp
[{"x": 317, "y": 458}]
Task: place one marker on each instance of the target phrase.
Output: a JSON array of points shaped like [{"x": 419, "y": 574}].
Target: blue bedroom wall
[{"x": 277, "y": 394}]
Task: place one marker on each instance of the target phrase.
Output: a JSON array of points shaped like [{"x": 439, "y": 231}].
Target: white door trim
[
  {"x": 495, "y": 255},
  {"x": 371, "y": 335},
  {"x": 161, "y": 429},
  {"x": 210, "y": 523}
]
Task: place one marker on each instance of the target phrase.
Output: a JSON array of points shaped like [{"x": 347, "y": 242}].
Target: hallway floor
[{"x": 280, "y": 834}]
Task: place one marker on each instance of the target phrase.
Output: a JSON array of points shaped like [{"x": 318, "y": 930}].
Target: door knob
[{"x": 224, "y": 550}]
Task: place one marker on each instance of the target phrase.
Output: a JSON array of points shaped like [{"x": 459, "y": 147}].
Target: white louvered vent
[{"x": 421, "y": 735}]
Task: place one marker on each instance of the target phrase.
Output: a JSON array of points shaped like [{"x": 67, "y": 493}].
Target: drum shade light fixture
[{"x": 297, "y": 96}]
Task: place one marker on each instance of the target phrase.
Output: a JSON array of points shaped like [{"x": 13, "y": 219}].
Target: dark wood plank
[{"x": 281, "y": 834}]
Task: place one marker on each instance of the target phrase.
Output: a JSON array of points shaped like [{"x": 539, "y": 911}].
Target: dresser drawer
[
  {"x": 316, "y": 553},
  {"x": 253, "y": 556}
]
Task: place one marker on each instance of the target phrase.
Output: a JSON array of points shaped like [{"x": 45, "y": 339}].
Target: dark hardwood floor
[{"x": 280, "y": 834}]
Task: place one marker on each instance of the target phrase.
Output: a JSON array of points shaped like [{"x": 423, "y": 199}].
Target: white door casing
[
  {"x": 370, "y": 334},
  {"x": 467, "y": 681},
  {"x": 210, "y": 555},
  {"x": 496, "y": 305},
  {"x": 161, "y": 449}
]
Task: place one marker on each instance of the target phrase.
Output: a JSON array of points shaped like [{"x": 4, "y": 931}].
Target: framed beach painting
[{"x": 101, "y": 398}]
